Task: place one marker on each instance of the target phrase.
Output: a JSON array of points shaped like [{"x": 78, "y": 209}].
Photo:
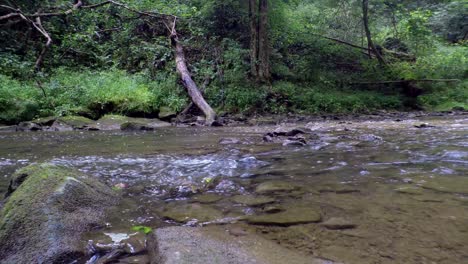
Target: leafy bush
[{"x": 18, "y": 101}]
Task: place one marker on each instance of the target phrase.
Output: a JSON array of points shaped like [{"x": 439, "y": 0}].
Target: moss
[
  {"x": 76, "y": 121},
  {"x": 33, "y": 187}
]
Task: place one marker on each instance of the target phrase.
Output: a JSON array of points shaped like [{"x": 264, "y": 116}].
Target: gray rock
[
  {"x": 229, "y": 141},
  {"x": 28, "y": 126},
  {"x": 214, "y": 245},
  {"x": 44, "y": 217}
]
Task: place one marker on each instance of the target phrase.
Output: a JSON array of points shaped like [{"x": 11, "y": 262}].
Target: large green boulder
[{"x": 47, "y": 209}]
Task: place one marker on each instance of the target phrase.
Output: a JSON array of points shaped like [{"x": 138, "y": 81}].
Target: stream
[{"x": 401, "y": 190}]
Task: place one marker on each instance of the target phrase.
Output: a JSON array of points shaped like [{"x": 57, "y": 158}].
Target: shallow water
[{"x": 405, "y": 188}]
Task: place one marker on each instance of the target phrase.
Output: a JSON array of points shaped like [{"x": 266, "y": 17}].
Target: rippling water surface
[{"x": 405, "y": 188}]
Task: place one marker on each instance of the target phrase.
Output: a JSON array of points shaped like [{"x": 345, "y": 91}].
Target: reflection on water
[{"x": 404, "y": 189}]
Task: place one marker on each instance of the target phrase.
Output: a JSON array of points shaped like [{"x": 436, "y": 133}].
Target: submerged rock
[
  {"x": 183, "y": 213},
  {"x": 212, "y": 244},
  {"x": 252, "y": 200},
  {"x": 48, "y": 209},
  {"x": 293, "y": 215},
  {"x": 448, "y": 184},
  {"x": 336, "y": 223},
  {"x": 275, "y": 186}
]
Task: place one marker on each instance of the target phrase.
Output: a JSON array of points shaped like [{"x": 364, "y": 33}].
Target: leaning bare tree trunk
[
  {"x": 264, "y": 48},
  {"x": 253, "y": 20},
  {"x": 192, "y": 89},
  {"x": 365, "y": 15}
]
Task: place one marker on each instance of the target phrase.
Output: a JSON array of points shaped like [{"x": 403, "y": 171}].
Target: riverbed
[{"x": 388, "y": 191}]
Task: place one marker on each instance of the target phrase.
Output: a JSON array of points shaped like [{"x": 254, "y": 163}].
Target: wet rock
[
  {"x": 229, "y": 141},
  {"x": 28, "y": 126},
  {"x": 272, "y": 209},
  {"x": 183, "y": 213},
  {"x": 166, "y": 113},
  {"x": 135, "y": 126},
  {"x": 337, "y": 223},
  {"x": 212, "y": 244},
  {"x": 293, "y": 215},
  {"x": 299, "y": 142},
  {"x": 370, "y": 138},
  {"x": 448, "y": 184},
  {"x": 423, "y": 125},
  {"x": 252, "y": 200},
  {"x": 44, "y": 217},
  {"x": 207, "y": 198},
  {"x": 227, "y": 186},
  {"x": 275, "y": 186}
]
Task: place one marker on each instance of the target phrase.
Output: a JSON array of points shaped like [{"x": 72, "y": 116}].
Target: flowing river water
[{"x": 401, "y": 191}]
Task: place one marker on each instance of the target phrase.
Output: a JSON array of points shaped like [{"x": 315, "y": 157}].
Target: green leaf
[{"x": 143, "y": 229}]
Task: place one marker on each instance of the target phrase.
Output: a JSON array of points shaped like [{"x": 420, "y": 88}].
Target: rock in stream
[{"x": 47, "y": 210}]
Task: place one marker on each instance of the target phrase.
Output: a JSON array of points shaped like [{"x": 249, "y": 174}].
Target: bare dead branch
[{"x": 40, "y": 28}]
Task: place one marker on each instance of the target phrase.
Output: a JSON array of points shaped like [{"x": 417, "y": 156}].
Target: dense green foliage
[{"x": 109, "y": 60}]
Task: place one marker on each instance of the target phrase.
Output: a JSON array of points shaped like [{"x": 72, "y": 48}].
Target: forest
[
  {"x": 92, "y": 58},
  {"x": 233, "y": 131}
]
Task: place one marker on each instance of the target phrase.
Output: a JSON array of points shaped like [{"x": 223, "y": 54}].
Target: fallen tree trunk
[{"x": 189, "y": 84}]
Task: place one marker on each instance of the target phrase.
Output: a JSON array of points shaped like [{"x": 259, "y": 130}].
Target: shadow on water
[{"x": 387, "y": 192}]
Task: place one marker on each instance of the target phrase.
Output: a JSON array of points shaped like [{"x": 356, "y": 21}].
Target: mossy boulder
[
  {"x": 47, "y": 210},
  {"x": 68, "y": 123},
  {"x": 117, "y": 122}
]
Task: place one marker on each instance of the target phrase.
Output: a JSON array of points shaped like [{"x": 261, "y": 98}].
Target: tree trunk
[
  {"x": 263, "y": 44},
  {"x": 365, "y": 15},
  {"x": 253, "y": 19},
  {"x": 192, "y": 89}
]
